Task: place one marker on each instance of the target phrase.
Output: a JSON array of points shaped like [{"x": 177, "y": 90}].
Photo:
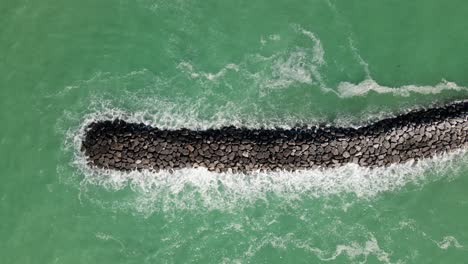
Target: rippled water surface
[{"x": 202, "y": 64}]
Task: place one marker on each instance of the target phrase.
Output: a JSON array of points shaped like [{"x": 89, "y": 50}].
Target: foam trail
[
  {"x": 448, "y": 241},
  {"x": 353, "y": 251},
  {"x": 288, "y": 71},
  {"x": 186, "y": 66},
  {"x": 302, "y": 65},
  {"x": 346, "y": 89},
  {"x": 318, "y": 50},
  {"x": 361, "y": 61}
]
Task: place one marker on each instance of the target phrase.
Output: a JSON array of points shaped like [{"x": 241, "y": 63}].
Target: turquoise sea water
[{"x": 199, "y": 64}]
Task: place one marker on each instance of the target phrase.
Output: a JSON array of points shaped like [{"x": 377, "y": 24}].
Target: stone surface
[{"x": 127, "y": 146}]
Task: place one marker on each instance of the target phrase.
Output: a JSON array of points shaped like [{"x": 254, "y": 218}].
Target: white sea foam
[
  {"x": 360, "y": 60},
  {"x": 318, "y": 50},
  {"x": 353, "y": 251},
  {"x": 299, "y": 66},
  {"x": 346, "y": 89},
  {"x": 448, "y": 241},
  {"x": 224, "y": 190},
  {"x": 302, "y": 65},
  {"x": 170, "y": 115},
  {"x": 165, "y": 114},
  {"x": 273, "y": 37},
  {"x": 287, "y": 71},
  {"x": 188, "y": 67},
  {"x": 356, "y": 252},
  {"x": 106, "y": 237}
]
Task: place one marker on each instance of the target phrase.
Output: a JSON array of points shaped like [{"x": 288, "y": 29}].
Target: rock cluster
[{"x": 126, "y": 146}]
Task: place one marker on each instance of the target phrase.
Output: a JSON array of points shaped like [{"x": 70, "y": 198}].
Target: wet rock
[{"x": 126, "y": 146}]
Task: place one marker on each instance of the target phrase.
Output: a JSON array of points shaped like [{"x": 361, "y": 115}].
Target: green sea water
[{"x": 206, "y": 63}]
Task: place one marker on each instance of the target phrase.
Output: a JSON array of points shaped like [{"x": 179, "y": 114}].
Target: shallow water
[{"x": 201, "y": 64}]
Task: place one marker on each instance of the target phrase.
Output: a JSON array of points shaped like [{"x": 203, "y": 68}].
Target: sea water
[{"x": 204, "y": 64}]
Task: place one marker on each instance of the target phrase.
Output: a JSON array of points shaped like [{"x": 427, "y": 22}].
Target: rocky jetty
[{"x": 118, "y": 145}]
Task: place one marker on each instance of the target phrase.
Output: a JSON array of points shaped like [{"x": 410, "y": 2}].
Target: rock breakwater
[{"x": 118, "y": 145}]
